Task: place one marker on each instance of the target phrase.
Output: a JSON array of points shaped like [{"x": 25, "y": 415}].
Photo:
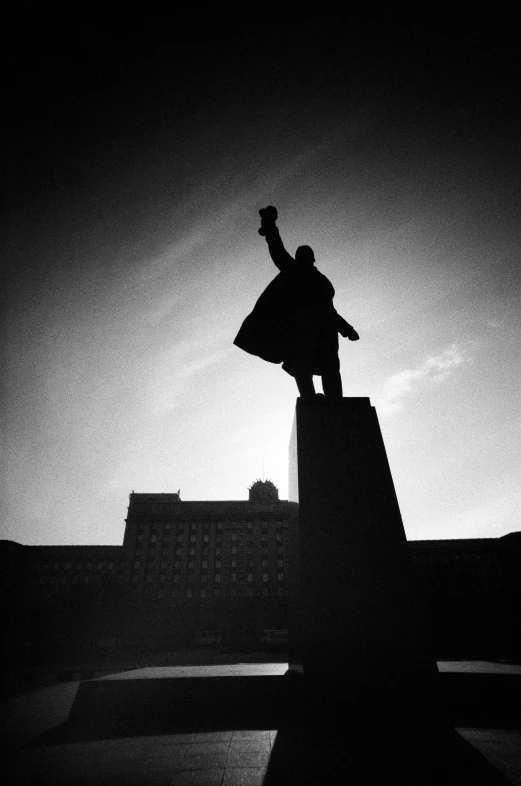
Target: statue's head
[{"x": 304, "y": 256}]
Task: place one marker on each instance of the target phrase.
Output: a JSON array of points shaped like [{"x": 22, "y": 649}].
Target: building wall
[
  {"x": 206, "y": 550},
  {"x": 60, "y": 568},
  {"x": 219, "y": 573}
]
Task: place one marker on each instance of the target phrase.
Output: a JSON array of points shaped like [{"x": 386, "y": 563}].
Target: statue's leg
[
  {"x": 331, "y": 379},
  {"x": 332, "y": 384},
  {"x": 305, "y": 385},
  {"x": 301, "y": 367}
]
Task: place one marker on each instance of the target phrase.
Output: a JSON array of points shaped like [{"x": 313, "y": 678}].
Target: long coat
[{"x": 296, "y": 306}]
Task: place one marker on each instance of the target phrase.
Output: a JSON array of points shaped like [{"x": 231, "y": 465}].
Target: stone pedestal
[{"x": 356, "y": 615}]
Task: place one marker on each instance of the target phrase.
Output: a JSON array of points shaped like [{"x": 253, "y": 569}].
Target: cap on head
[{"x": 304, "y": 255}]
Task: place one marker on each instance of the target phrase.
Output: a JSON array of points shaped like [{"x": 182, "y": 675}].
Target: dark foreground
[{"x": 252, "y": 725}]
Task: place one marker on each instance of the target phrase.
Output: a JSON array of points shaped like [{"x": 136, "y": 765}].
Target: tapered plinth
[{"x": 356, "y": 615}]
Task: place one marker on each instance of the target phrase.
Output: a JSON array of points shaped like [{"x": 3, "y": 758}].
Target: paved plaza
[{"x": 239, "y": 756}]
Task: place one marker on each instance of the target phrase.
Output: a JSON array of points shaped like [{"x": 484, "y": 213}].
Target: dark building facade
[
  {"x": 223, "y": 566},
  {"x": 219, "y": 574}
]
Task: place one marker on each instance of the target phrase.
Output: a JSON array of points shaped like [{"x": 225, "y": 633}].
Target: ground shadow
[{"x": 397, "y": 738}]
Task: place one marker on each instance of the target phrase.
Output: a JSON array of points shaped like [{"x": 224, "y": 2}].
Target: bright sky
[{"x": 133, "y": 258}]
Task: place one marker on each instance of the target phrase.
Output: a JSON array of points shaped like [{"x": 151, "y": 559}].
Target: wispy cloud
[
  {"x": 210, "y": 213},
  {"x": 175, "y": 368},
  {"x": 434, "y": 370}
]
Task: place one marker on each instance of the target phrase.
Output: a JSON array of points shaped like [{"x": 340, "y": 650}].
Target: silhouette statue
[{"x": 294, "y": 321}]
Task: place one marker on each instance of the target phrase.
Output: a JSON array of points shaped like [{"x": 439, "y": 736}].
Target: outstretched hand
[
  {"x": 268, "y": 217},
  {"x": 352, "y": 335}
]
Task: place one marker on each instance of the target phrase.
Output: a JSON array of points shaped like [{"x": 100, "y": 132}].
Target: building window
[
  {"x": 264, "y": 538},
  {"x": 204, "y": 563},
  {"x": 218, "y": 563},
  {"x": 206, "y": 538},
  {"x": 188, "y": 593},
  {"x": 217, "y": 578},
  {"x": 177, "y": 563},
  {"x": 192, "y": 552},
  {"x": 279, "y": 536},
  {"x": 178, "y": 552},
  {"x": 264, "y": 550},
  {"x": 175, "y": 593},
  {"x": 162, "y": 578},
  {"x": 191, "y": 564},
  {"x": 140, "y": 537},
  {"x": 193, "y": 526},
  {"x": 265, "y": 577},
  {"x": 100, "y": 565},
  {"x": 234, "y": 536},
  {"x": 233, "y": 577},
  {"x": 264, "y": 525},
  {"x": 280, "y": 576},
  {"x": 168, "y": 526},
  {"x": 264, "y": 563},
  {"x": 179, "y": 538},
  {"x": 250, "y": 577},
  {"x": 88, "y": 565},
  {"x": 217, "y": 593},
  {"x": 190, "y": 578},
  {"x": 149, "y": 578},
  {"x": 204, "y": 578},
  {"x": 234, "y": 549},
  {"x": 78, "y": 566},
  {"x": 281, "y": 591},
  {"x": 176, "y": 578},
  {"x": 153, "y": 538},
  {"x": 203, "y": 593},
  {"x": 250, "y": 525},
  {"x": 219, "y": 525},
  {"x": 110, "y": 566},
  {"x": 137, "y": 563},
  {"x": 265, "y": 591},
  {"x": 154, "y": 526},
  {"x": 160, "y": 593},
  {"x": 164, "y": 563},
  {"x": 280, "y": 563},
  {"x": 249, "y": 591},
  {"x": 234, "y": 563},
  {"x": 218, "y": 552},
  {"x": 192, "y": 538}
]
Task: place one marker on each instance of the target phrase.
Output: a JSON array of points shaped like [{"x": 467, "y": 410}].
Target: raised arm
[{"x": 282, "y": 259}]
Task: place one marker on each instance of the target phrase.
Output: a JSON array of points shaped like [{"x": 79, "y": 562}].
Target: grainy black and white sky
[{"x": 136, "y": 157}]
